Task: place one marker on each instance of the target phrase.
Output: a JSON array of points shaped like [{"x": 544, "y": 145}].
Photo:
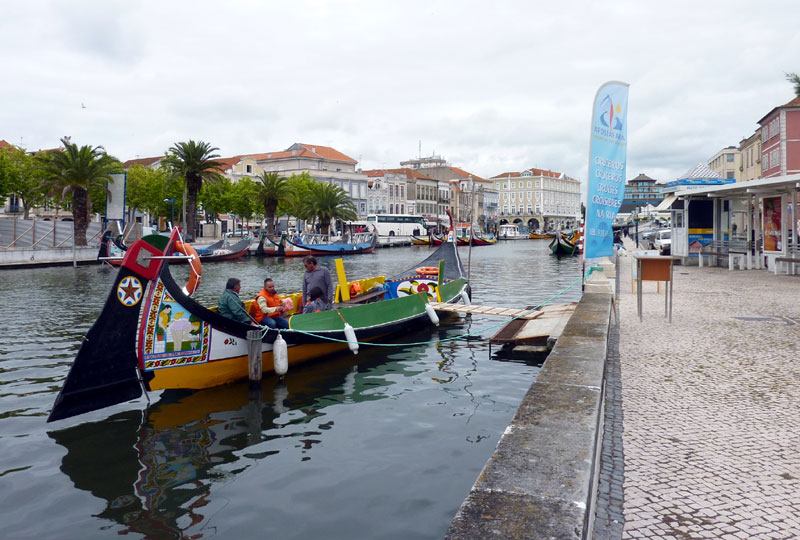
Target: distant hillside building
[{"x": 639, "y": 193}]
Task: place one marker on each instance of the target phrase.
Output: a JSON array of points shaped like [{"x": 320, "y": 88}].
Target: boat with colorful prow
[
  {"x": 541, "y": 235},
  {"x": 352, "y": 244},
  {"x": 561, "y": 245},
  {"x": 152, "y": 335}
]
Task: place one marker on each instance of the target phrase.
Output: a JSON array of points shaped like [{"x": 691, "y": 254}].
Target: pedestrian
[
  {"x": 269, "y": 310},
  {"x": 230, "y": 305},
  {"x": 317, "y": 276},
  {"x": 317, "y": 302}
]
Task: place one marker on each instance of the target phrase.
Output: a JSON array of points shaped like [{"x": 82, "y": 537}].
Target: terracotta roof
[
  {"x": 791, "y": 104},
  {"x": 4, "y": 144},
  {"x": 464, "y": 174},
  {"x": 142, "y": 161},
  {"x": 410, "y": 173},
  {"x": 533, "y": 170},
  {"x": 312, "y": 151}
]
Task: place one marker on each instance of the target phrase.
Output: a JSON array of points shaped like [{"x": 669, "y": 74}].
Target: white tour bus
[{"x": 398, "y": 224}]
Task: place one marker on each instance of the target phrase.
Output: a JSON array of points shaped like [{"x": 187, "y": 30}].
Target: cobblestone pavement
[{"x": 710, "y": 408}]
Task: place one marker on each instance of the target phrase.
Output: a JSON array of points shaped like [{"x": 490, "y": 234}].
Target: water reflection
[{"x": 156, "y": 468}]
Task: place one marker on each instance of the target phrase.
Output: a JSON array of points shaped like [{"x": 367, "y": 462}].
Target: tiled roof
[
  {"x": 464, "y": 174},
  {"x": 4, "y": 144},
  {"x": 304, "y": 150},
  {"x": 410, "y": 173},
  {"x": 791, "y": 104},
  {"x": 142, "y": 161},
  {"x": 533, "y": 170}
]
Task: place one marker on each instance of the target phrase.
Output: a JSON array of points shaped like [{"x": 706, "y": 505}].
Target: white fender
[
  {"x": 464, "y": 296},
  {"x": 432, "y": 314},
  {"x": 350, "y": 334},
  {"x": 280, "y": 356}
]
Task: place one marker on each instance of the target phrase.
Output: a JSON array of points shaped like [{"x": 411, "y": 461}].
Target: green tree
[
  {"x": 194, "y": 162},
  {"x": 300, "y": 194},
  {"x": 148, "y": 190},
  {"x": 329, "y": 202},
  {"x": 216, "y": 198},
  {"x": 20, "y": 176},
  {"x": 271, "y": 191},
  {"x": 794, "y": 78},
  {"x": 243, "y": 201},
  {"x": 74, "y": 172}
]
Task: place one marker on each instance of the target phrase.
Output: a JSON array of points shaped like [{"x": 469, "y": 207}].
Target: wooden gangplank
[{"x": 486, "y": 310}]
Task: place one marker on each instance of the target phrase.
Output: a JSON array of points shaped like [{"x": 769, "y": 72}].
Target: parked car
[{"x": 662, "y": 241}]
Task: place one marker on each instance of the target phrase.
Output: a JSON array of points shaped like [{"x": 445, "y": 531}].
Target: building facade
[
  {"x": 750, "y": 157},
  {"x": 780, "y": 140},
  {"x": 726, "y": 163},
  {"x": 640, "y": 192},
  {"x": 538, "y": 198}
]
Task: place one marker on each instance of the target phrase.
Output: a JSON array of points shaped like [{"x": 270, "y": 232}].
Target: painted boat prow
[{"x": 103, "y": 372}]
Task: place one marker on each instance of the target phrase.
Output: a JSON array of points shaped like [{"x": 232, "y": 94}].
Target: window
[
  {"x": 249, "y": 168},
  {"x": 729, "y": 158},
  {"x": 513, "y": 185},
  {"x": 529, "y": 183}
]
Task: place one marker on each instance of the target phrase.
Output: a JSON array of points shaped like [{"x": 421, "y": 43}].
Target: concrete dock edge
[{"x": 541, "y": 481}]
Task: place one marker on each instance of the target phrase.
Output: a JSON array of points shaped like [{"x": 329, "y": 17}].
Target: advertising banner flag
[{"x": 607, "y": 161}]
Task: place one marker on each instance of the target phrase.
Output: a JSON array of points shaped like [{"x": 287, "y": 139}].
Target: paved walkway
[{"x": 710, "y": 409}]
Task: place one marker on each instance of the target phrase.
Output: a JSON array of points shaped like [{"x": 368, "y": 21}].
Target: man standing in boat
[
  {"x": 317, "y": 276},
  {"x": 268, "y": 310},
  {"x": 230, "y": 305}
]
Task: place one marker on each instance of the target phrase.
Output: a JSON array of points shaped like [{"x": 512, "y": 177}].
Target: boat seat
[{"x": 365, "y": 298}]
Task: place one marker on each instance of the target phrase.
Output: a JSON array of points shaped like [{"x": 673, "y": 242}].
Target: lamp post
[{"x": 172, "y": 208}]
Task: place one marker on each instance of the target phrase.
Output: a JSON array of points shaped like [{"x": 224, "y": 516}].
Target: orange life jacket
[{"x": 272, "y": 301}]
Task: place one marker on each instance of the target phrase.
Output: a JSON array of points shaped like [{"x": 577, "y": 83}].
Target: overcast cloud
[{"x": 491, "y": 87}]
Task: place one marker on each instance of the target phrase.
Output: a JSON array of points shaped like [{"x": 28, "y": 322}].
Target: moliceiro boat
[{"x": 152, "y": 335}]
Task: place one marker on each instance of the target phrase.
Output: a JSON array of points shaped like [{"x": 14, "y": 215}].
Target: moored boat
[
  {"x": 152, "y": 335},
  {"x": 420, "y": 241},
  {"x": 354, "y": 244},
  {"x": 510, "y": 232},
  {"x": 236, "y": 251},
  {"x": 562, "y": 246},
  {"x": 541, "y": 235}
]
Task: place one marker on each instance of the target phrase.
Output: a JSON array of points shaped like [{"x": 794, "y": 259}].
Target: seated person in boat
[
  {"x": 269, "y": 310},
  {"x": 230, "y": 305},
  {"x": 317, "y": 302},
  {"x": 317, "y": 276}
]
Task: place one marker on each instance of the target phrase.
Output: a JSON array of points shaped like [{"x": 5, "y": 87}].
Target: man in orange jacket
[{"x": 269, "y": 311}]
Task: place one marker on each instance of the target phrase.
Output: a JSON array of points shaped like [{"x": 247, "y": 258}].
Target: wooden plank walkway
[{"x": 486, "y": 310}]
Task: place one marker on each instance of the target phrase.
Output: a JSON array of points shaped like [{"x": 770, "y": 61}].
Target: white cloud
[{"x": 492, "y": 88}]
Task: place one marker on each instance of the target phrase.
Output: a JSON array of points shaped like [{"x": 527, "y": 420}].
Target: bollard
[{"x": 254, "y": 355}]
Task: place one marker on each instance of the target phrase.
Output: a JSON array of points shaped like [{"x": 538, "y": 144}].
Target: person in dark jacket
[
  {"x": 230, "y": 305},
  {"x": 317, "y": 302},
  {"x": 317, "y": 276}
]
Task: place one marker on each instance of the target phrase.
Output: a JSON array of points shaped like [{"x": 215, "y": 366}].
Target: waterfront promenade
[{"x": 702, "y": 431}]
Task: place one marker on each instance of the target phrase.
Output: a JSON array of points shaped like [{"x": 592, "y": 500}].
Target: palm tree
[
  {"x": 329, "y": 202},
  {"x": 272, "y": 191},
  {"x": 794, "y": 78},
  {"x": 194, "y": 161},
  {"x": 75, "y": 171}
]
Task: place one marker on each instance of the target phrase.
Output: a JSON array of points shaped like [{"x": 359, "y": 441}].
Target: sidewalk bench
[
  {"x": 790, "y": 262},
  {"x": 704, "y": 253}
]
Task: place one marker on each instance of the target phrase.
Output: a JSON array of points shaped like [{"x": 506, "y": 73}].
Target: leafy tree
[
  {"x": 329, "y": 202},
  {"x": 794, "y": 78},
  {"x": 300, "y": 194},
  {"x": 243, "y": 201},
  {"x": 20, "y": 176},
  {"x": 76, "y": 171},
  {"x": 272, "y": 191},
  {"x": 216, "y": 198},
  {"x": 194, "y": 161},
  {"x": 149, "y": 188}
]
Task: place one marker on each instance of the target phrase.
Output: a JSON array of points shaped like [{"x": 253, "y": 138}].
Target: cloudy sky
[{"x": 490, "y": 86}]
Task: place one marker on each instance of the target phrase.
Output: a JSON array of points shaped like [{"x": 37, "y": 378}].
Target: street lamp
[{"x": 172, "y": 208}]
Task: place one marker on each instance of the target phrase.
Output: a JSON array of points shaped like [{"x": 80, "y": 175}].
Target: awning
[{"x": 666, "y": 204}]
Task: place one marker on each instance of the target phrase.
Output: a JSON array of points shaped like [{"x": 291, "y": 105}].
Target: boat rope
[{"x": 461, "y": 336}]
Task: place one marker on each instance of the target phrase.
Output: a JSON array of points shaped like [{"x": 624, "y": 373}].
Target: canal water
[{"x": 384, "y": 444}]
